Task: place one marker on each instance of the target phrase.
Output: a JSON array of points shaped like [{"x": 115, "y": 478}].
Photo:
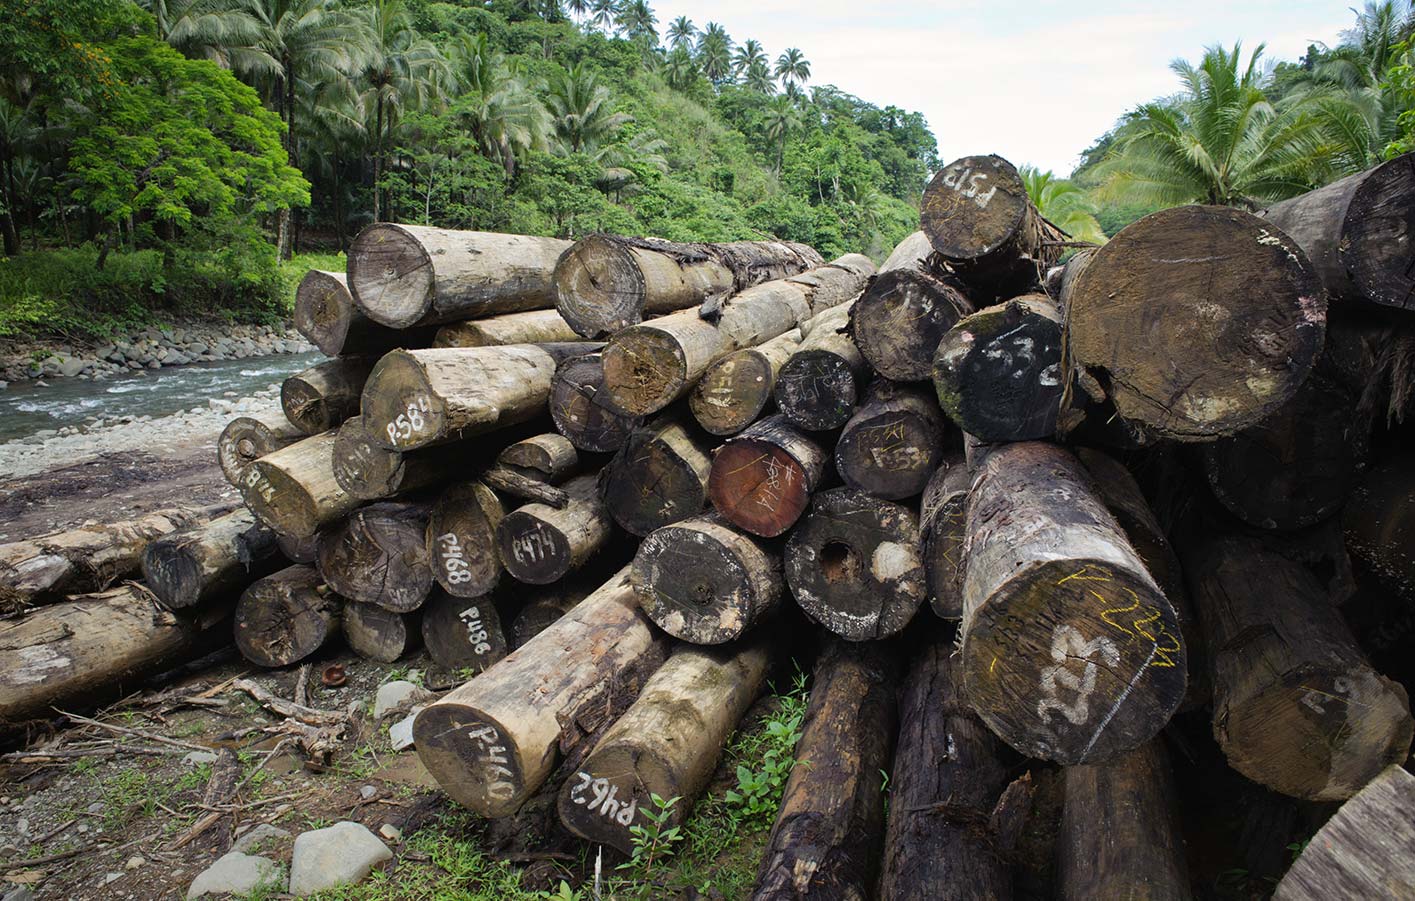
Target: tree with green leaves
[
  {"x": 603, "y": 14},
  {"x": 679, "y": 68},
  {"x": 781, "y": 119},
  {"x": 18, "y": 130},
  {"x": 581, "y": 109},
  {"x": 749, "y": 54},
  {"x": 636, "y": 21},
  {"x": 220, "y": 31},
  {"x": 682, "y": 33},
  {"x": 495, "y": 106},
  {"x": 793, "y": 69},
  {"x": 715, "y": 53},
  {"x": 758, "y": 78},
  {"x": 1063, "y": 203}
]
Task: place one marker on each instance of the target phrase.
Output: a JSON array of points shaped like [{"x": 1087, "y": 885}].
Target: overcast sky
[{"x": 1036, "y": 81}]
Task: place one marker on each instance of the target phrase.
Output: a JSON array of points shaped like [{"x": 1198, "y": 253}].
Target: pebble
[
  {"x": 260, "y": 838},
  {"x": 400, "y": 734},
  {"x": 19, "y": 893},
  {"x": 197, "y": 758},
  {"x": 367, "y": 792},
  {"x": 390, "y": 832},
  {"x": 235, "y": 873},
  {"x": 134, "y": 862},
  {"x": 342, "y": 854}
]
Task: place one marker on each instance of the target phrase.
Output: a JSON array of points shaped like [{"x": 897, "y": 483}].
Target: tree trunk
[
  {"x": 893, "y": 443},
  {"x": 379, "y": 556},
  {"x": 817, "y": 388},
  {"x": 248, "y": 438},
  {"x": 666, "y": 744},
  {"x": 580, "y": 407},
  {"x": 493, "y": 742},
  {"x": 1071, "y": 652},
  {"x": 1296, "y": 706},
  {"x": 544, "y": 608},
  {"x": 540, "y": 544},
  {"x": 1379, "y": 521},
  {"x": 326, "y": 314},
  {"x": 704, "y": 582},
  {"x": 605, "y": 283},
  {"x": 905, "y": 311},
  {"x": 323, "y": 396},
  {"x": 532, "y": 327},
  {"x": 943, "y": 519},
  {"x": 827, "y": 836},
  {"x": 368, "y": 471},
  {"x": 465, "y": 633},
  {"x": 736, "y": 389},
  {"x": 1204, "y": 336},
  {"x": 550, "y": 457},
  {"x": 659, "y": 476},
  {"x": 298, "y": 550},
  {"x": 854, "y": 565},
  {"x": 411, "y": 275},
  {"x": 647, "y": 367},
  {"x": 293, "y": 490},
  {"x": 461, "y": 539},
  {"x": 762, "y": 479},
  {"x": 198, "y": 564},
  {"x": 286, "y": 617},
  {"x": 381, "y": 635}
]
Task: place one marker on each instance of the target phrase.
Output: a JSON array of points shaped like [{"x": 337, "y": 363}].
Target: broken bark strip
[
  {"x": 735, "y": 390},
  {"x": 1070, "y": 650},
  {"x": 762, "y": 479},
  {"x": 666, "y": 744},
  {"x": 326, "y": 314},
  {"x": 1120, "y": 835},
  {"x": 648, "y": 366},
  {"x": 379, "y": 556},
  {"x": 659, "y": 477},
  {"x": 1357, "y": 231},
  {"x": 198, "y": 564},
  {"x": 949, "y": 771},
  {"x": 248, "y": 438},
  {"x": 294, "y": 491},
  {"x": 465, "y": 634},
  {"x": 493, "y": 742},
  {"x": 854, "y": 565},
  {"x": 1296, "y": 706},
  {"x": 368, "y": 471},
  {"x": 533, "y": 327},
  {"x": 323, "y": 396},
  {"x": 893, "y": 443},
  {"x": 827, "y": 836},
  {"x": 605, "y": 283},
  {"x": 997, "y": 372},
  {"x": 540, "y": 544},
  {"x": 461, "y": 539},
  {"x": 408, "y": 275},
  {"x": 286, "y": 617},
  {"x": 703, "y": 582},
  {"x": 943, "y": 520},
  {"x": 1196, "y": 321},
  {"x": 817, "y": 388},
  {"x": 580, "y": 406},
  {"x": 382, "y": 635}
]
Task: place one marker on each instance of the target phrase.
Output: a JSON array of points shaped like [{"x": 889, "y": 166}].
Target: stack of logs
[{"x": 1033, "y": 510}]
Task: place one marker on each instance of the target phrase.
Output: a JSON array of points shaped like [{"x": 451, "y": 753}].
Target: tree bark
[
  {"x": 550, "y": 457},
  {"x": 540, "y": 544},
  {"x": 248, "y": 438},
  {"x": 323, "y": 396},
  {"x": 286, "y": 617},
  {"x": 735, "y": 390},
  {"x": 943, "y": 520},
  {"x": 762, "y": 479},
  {"x": 379, "y": 556},
  {"x": 531, "y": 327},
  {"x": 581, "y": 409},
  {"x": 817, "y": 388},
  {"x": 461, "y": 539},
  {"x": 543, "y": 609},
  {"x": 893, "y": 443},
  {"x": 326, "y": 314},
  {"x": 298, "y": 550},
  {"x": 293, "y": 490},
  {"x": 1379, "y": 522},
  {"x": 381, "y": 635},
  {"x": 465, "y": 633},
  {"x": 368, "y": 471},
  {"x": 198, "y": 564},
  {"x": 659, "y": 477}
]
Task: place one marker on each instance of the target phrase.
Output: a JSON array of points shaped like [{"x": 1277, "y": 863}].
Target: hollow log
[
  {"x": 410, "y": 275},
  {"x": 379, "y": 555},
  {"x": 658, "y": 477},
  {"x": 381, "y": 635},
  {"x": 286, "y": 617},
  {"x": 648, "y": 366},
  {"x": 326, "y": 314},
  {"x": 323, "y": 396},
  {"x": 197, "y": 564},
  {"x": 532, "y": 327},
  {"x": 762, "y": 479},
  {"x": 1070, "y": 650},
  {"x": 854, "y": 565},
  {"x": 550, "y": 457},
  {"x": 893, "y": 443},
  {"x": 580, "y": 406},
  {"x": 465, "y": 633},
  {"x": 817, "y": 388},
  {"x": 735, "y": 390},
  {"x": 540, "y": 544},
  {"x": 1196, "y": 321},
  {"x": 461, "y": 539},
  {"x": 248, "y": 438},
  {"x": 605, "y": 283},
  {"x": 293, "y": 490},
  {"x": 943, "y": 519},
  {"x": 368, "y": 471},
  {"x": 1296, "y": 706},
  {"x": 666, "y": 744},
  {"x": 827, "y": 837},
  {"x": 493, "y": 742},
  {"x": 704, "y": 582}
]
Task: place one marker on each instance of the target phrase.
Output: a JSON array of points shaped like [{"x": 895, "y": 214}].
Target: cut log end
[
  {"x": 973, "y": 207},
  {"x": 324, "y": 310},
  {"x": 391, "y": 276},
  {"x": 379, "y": 556},
  {"x": 532, "y": 549},
  {"x": 471, "y": 755},
  {"x": 248, "y": 438},
  {"x": 462, "y": 539},
  {"x": 401, "y": 411},
  {"x": 892, "y": 444},
  {"x": 759, "y": 486},
  {"x": 598, "y": 287},
  {"x": 173, "y": 574},
  {"x": 285, "y": 617},
  {"x": 817, "y": 390},
  {"x": 378, "y": 634},
  {"x": 363, "y": 467},
  {"x": 899, "y": 320},
  {"x": 280, "y": 501},
  {"x": 733, "y": 393},
  {"x": 644, "y": 371},
  {"x": 464, "y": 634},
  {"x": 580, "y": 407},
  {"x": 1378, "y": 228}
]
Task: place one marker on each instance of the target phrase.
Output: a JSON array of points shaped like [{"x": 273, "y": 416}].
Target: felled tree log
[
  {"x": 893, "y": 443},
  {"x": 540, "y": 544},
  {"x": 648, "y": 366},
  {"x": 949, "y": 771},
  {"x": 762, "y": 479},
  {"x": 542, "y": 609},
  {"x": 605, "y": 283},
  {"x": 532, "y": 327},
  {"x": 580, "y": 406},
  {"x": 978, "y": 217},
  {"x": 201, "y": 563},
  {"x": 997, "y": 372},
  {"x": 1120, "y": 835},
  {"x": 943, "y": 520},
  {"x": 666, "y": 744},
  {"x": 658, "y": 477},
  {"x": 464, "y": 633},
  {"x": 408, "y": 275},
  {"x": 550, "y": 457},
  {"x": 1296, "y": 706},
  {"x": 735, "y": 390},
  {"x": 1357, "y": 231},
  {"x": 298, "y": 550},
  {"x": 293, "y": 490},
  {"x": 379, "y": 556},
  {"x": 905, "y": 311},
  {"x": 817, "y": 388},
  {"x": 461, "y": 539},
  {"x": 286, "y": 617},
  {"x": 493, "y": 742},
  {"x": 367, "y": 470},
  {"x": 704, "y": 582},
  {"x": 326, "y": 314},
  {"x": 378, "y": 634},
  {"x": 854, "y": 565},
  {"x": 827, "y": 836},
  {"x": 248, "y": 438},
  {"x": 1070, "y": 650},
  {"x": 1196, "y": 321},
  {"x": 323, "y": 396},
  {"x": 1379, "y": 521}
]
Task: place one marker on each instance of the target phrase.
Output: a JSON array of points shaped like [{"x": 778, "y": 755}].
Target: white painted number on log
[
  {"x": 411, "y": 421},
  {"x": 970, "y": 184},
  {"x": 604, "y": 803},
  {"x": 453, "y": 560},
  {"x": 493, "y": 758},
  {"x": 532, "y": 547},
  {"x": 476, "y": 632},
  {"x": 1067, "y": 646}
]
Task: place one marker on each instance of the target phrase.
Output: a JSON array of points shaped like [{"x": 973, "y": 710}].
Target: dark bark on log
[
  {"x": 248, "y": 438},
  {"x": 326, "y": 314},
  {"x": 581, "y": 409},
  {"x": 298, "y": 550},
  {"x": 509, "y": 481},
  {"x": 465, "y": 633},
  {"x": 533, "y": 327},
  {"x": 286, "y": 617},
  {"x": 659, "y": 477},
  {"x": 323, "y": 396},
  {"x": 550, "y": 457},
  {"x": 817, "y": 388},
  {"x": 762, "y": 479},
  {"x": 943, "y": 520},
  {"x": 379, "y": 556},
  {"x": 461, "y": 539},
  {"x": 1379, "y": 521},
  {"x": 893, "y": 443},
  {"x": 735, "y": 390},
  {"x": 381, "y": 635},
  {"x": 540, "y": 544},
  {"x": 544, "y": 608},
  {"x": 293, "y": 490},
  {"x": 196, "y": 565}
]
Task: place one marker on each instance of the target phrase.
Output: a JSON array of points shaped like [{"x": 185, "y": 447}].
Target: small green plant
[
  {"x": 1296, "y": 848},
  {"x": 267, "y": 888},
  {"x": 654, "y": 841},
  {"x": 196, "y": 777},
  {"x": 563, "y": 893},
  {"x": 758, "y": 792},
  {"x": 85, "y": 765}
]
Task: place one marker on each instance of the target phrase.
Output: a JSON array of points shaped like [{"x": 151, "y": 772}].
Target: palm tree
[
  {"x": 580, "y": 109},
  {"x": 782, "y": 118},
  {"x": 578, "y": 8},
  {"x": 748, "y": 55},
  {"x": 679, "y": 68},
  {"x": 792, "y": 68},
  {"x": 495, "y": 106},
  {"x": 1064, "y": 204},
  {"x": 715, "y": 53},
  {"x": 604, "y": 13},
  {"x": 220, "y": 31},
  {"x": 759, "y": 79},
  {"x": 681, "y": 33},
  {"x": 637, "y": 22}
]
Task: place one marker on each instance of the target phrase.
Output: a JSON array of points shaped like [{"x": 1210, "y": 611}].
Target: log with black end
[
  {"x": 326, "y": 394},
  {"x": 943, "y": 519},
  {"x": 368, "y": 471},
  {"x": 540, "y": 544},
  {"x": 605, "y": 283},
  {"x": 286, "y": 617},
  {"x": 666, "y": 744},
  {"x": 248, "y": 438},
  {"x": 412, "y": 275},
  {"x": 1196, "y": 322},
  {"x": 817, "y": 388},
  {"x": 735, "y": 391},
  {"x": 997, "y": 372},
  {"x": 828, "y": 833},
  {"x": 1070, "y": 650},
  {"x": 378, "y": 634},
  {"x": 905, "y": 311},
  {"x": 1120, "y": 836},
  {"x": 580, "y": 406},
  {"x": 762, "y": 479},
  {"x": 659, "y": 476},
  {"x": 493, "y": 742},
  {"x": 648, "y": 366},
  {"x": 294, "y": 491},
  {"x": 379, "y": 555},
  {"x": 461, "y": 539},
  {"x": 893, "y": 443},
  {"x": 949, "y": 771},
  {"x": 1296, "y": 705},
  {"x": 201, "y": 563},
  {"x": 298, "y": 550},
  {"x": 326, "y": 314},
  {"x": 978, "y": 216},
  {"x": 705, "y": 582},
  {"x": 1379, "y": 522},
  {"x": 854, "y": 564},
  {"x": 465, "y": 634}
]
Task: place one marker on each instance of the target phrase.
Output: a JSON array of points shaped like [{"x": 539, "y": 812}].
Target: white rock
[
  {"x": 393, "y": 695},
  {"x": 390, "y": 832},
  {"x": 259, "y": 838},
  {"x": 197, "y": 758},
  {"x": 342, "y": 854},
  {"x": 400, "y": 734},
  {"x": 236, "y": 873}
]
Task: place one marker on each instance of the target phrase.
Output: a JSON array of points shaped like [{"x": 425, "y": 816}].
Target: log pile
[{"x": 1030, "y": 518}]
